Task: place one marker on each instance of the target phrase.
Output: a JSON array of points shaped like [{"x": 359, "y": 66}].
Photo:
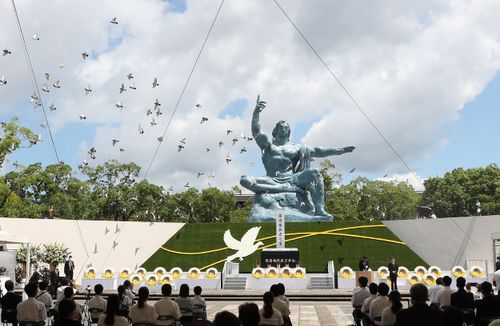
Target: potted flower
[{"x": 55, "y": 253}]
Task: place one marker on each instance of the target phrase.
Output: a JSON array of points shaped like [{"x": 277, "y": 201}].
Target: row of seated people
[
  {"x": 123, "y": 309},
  {"x": 374, "y": 305}
]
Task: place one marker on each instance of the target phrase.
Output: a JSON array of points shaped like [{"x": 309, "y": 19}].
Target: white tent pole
[{"x": 28, "y": 262}]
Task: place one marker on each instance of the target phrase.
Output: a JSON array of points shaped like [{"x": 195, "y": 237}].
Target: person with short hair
[
  {"x": 444, "y": 296},
  {"x": 281, "y": 294},
  {"x": 112, "y": 316},
  {"x": 125, "y": 301},
  {"x": 434, "y": 290},
  {"x": 280, "y": 305},
  {"x": 31, "y": 309},
  {"x": 64, "y": 283},
  {"x": 378, "y": 305},
  {"x": 129, "y": 289},
  {"x": 68, "y": 314},
  {"x": 199, "y": 304},
  {"x": 488, "y": 306},
  {"x": 496, "y": 277},
  {"x": 69, "y": 267},
  {"x": 69, "y": 293},
  {"x": 462, "y": 299},
  {"x": 226, "y": 318},
  {"x": 44, "y": 297},
  {"x": 268, "y": 314},
  {"x": 142, "y": 312},
  {"x": 419, "y": 313},
  {"x": 248, "y": 314},
  {"x": 393, "y": 274},
  {"x": 9, "y": 302},
  {"x": 373, "y": 288},
  {"x": 167, "y": 307},
  {"x": 389, "y": 313},
  {"x": 185, "y": 304},
  {"x": 97, "y": 302},
  {"x": 359, "y": 294}
]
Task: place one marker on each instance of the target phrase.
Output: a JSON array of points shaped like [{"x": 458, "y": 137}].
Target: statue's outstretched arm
[
  {"x": 328, "y": 151},
  {"x": 261, "y": 138}
]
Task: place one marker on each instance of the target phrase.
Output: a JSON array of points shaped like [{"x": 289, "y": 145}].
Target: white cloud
[{"x": 411, "y": 65}]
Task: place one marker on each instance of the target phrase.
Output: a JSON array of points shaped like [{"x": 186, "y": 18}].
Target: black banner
[{"x": 282, "y": 257}]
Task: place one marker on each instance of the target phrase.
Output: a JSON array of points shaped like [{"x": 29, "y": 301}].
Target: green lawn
[{"x": 315, "y": 251}]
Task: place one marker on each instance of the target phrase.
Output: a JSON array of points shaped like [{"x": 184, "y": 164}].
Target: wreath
[
  {"x": 429, "y": 278},
  {"x": 166, "y": 279},
  {"x": 108, "y": 273},
  {"x": 299, "y": 272},
  {"x": 476, "y": 271},
  {"x": 212, "y": 272},
  {"x": 403, "y": 272},
  {"x": 458, "y": 271},
  {"x": 160, "y": 271},
  {"x": 176, "y": 272},
  {"x": 152, "y": 280},
  {"x": 258, "y": 272},
  {"x": 414, "y": 278},
  {"x": 272, "y": 272},
  {"x": 383, "y": 272},
  {"x": 286, "y": 272},
  {"x": 124, "y": 273},
  {"x": 346, "y": 272},
  {"x": 141, "y": 271},
  {"x": 435, "y": 270},
  {"x": 136, "y": 279},
  {"x": 420, "y": 270},
  {"x": 194, "y": 272},
  {"x": 90, "y": 273}
]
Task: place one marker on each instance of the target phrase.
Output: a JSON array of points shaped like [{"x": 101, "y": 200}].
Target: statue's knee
[
  {"x": 245, "y": 181},
  {"x": 315, "y": 172}
]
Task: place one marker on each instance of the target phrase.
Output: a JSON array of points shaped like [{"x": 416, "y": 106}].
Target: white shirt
[
  {"x": 276, "y": 319},
  {"x": 388, "y": 317},
  {"x": 146, "y": 314},
  {"x": 377, "y": 307},
  {"x": 495, "y": 323},
  {"x": 31, "y": 310},
  {"x": 444, "y": 296},
  {"x": 359, "y": 295},
  {"x": 433, "y": 292},
  {"x": 167, "y": 307},
  {"x": 368, "y": 301},
  {"x": 130, "y": 294},
  {"x": 496, "y": 279},
  {"x": 199, "y": 304},
  {"x": 97, "y": 302},
  {"x": 285, "y": 299},
  {"x": 281, "y": 306},
  {"x": 45, "y": 298},
  {"x": 60, "y": 293},
  {"x": 119, "y": 321}
]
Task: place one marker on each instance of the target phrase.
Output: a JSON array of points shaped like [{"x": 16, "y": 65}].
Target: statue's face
[{"x": 281, "y": 133}]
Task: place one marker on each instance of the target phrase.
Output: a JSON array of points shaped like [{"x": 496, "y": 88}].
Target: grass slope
[{"x": 315, "y": 251}]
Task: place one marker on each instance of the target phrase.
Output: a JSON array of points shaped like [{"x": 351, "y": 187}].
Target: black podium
[{"x": 279, "y": 256}]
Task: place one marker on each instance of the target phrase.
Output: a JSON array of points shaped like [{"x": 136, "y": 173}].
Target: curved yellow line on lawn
[{"x": 303, "y": 235}]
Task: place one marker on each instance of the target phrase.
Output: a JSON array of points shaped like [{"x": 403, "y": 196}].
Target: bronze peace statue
[{"x": 290, "y": 184}]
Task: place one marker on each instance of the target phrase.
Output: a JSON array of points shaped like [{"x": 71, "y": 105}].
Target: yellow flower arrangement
[
  {"x": 124, "y": 273},
  {"x": 160, "y": 271},
  {"x": 108, "y": 273},
  {"x": 141, "y": 271},
  {"x": 429, "y": 278},
  {"x": 476, "y": 271},
  {"x": 420, "y": 270},
  {"x": 258, "y": 272},
  {"x": 194, "y": 272},
  {"x": 136, "y": 279},
  {"x": 211, "y": 273},
  {"x": 176, "y": 272},
  {"x": 272, "y": 272},
  {"x": 458, "y": 271},
  {"x": 90, "y": 273},
  {"x": 383, "y": 272},
  {"x": 435, "y": 270},
  {"x": 346, "y": 272},
  {"x": 414, "y": 278},
  {"x": 166, "y": 279},
  {"x": 403, "y": 272},
  {"x": 286, "y": 272},
  {"x": 152, "y": 280},
  {"x": 299, "y": 272}
]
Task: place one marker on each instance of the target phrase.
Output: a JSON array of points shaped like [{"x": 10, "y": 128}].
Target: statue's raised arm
[
  {"x": 261, "y": 138},
  {"x": 319, "y": 151}
]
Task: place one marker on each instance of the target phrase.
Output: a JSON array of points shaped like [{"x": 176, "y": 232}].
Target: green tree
[{"x": 12, "y": 136}]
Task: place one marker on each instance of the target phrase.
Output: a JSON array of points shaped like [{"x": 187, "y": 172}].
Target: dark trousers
[
  {"x": 358, "y": 316},
  {"x": 394, "y": 283}
]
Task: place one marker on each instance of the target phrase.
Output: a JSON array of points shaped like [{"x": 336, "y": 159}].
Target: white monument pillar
[{"x": 280, "y": 229}]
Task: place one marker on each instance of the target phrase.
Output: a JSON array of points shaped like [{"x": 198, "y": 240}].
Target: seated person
[
  {"x": 378, "y": 305},
  {"x": 280, "y": 305},
  {"x": 97, "y": 302},
  {"x": 462, "y": 299},
  {"x": 69, "y": 293},
  {"x": 167, "y": 307},
  {"x": 419, "y": 313},
  {"x": 143, "y": 312},
  {"x": 444, "y": 295},
  {"x": 268, "y": 314},
  {"x": 9, "y": 302},
  {"x": 488, "y": 306},
  {"x": 112, "y": 316},
  {"x": 44, "y": 296},
  {"x": 282, "y": 296},
  {"x": 248, "y": 314},
  {"x": 125, "y": 301},
  {"x": 185, "y": 304},
  {"x": 31, "y": 309},
  {"x": 199, "y": 304},
  {"x": 68, "y": 315},
  {"x": 226, "y": 318},
  {"x": 359, "y": 295}
]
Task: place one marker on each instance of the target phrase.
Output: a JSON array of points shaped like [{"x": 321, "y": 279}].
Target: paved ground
[{"x": 303, "y": 313}]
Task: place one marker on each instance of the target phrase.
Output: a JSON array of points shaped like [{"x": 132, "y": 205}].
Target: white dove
[{"x": 246, "y": 246}]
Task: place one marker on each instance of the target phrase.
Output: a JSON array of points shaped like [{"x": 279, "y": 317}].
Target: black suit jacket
[
  {"x": 9, "y": 302},
  {"x": 393, "y": 271},
  {"x": 462, "y": 299},
  {"x": 420, "y": 314},
  {"x": 69, "y": 266},
  {"x": 487, "y": 307}
]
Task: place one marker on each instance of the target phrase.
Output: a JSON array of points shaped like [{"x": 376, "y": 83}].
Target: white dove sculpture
[{"x": 245, "y": 247}]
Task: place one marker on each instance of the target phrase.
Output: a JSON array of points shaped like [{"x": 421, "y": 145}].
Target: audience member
[
  {"x": 434, "y": 291},
  {"x": 389, "y": 313},
  {"x": 453, "y": 316},
  {"x": 97, "y": 302},
  {"x": 488, "y": 306},
  {"x": 496, "y": 278},
  {"x": 248, "y": 314},
  {"x": 226, "y": 318},
  {"x": 281, "y": 294},
  {"x": 64, "y": 283},
  {"x": 185, "y": 304},
  {"x": 280, "y": 305},
  {"x": 129, "y": 289},
  {"x": 444, "y": 295},
  {"x": 68, "y": 315},
  {"x": 378, "y": 305},
  {"x": 419, "y": 313},
  {"x": 31, "y": 309},
  {"x": 125, "y": 302},
  {"x": 9, "y": 302},
  {"x": 199, "y": 304},
  {"x": 462, "y": 299},
  {"x": 112, "y": 315},
  {"x": 359, "y": 294},
  {"x": 142, "y": 312},
  {"x": 44, "y": 296},
  {"x": 268, "y": 314},
  {"x": 166, "y": 307},
  {"x": 373, "y": 288}
]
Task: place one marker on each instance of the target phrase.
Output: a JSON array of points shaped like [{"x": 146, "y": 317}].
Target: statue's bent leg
[
  {"x": 312, "y": 180},
  {"x": 264, "y": 185}
]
